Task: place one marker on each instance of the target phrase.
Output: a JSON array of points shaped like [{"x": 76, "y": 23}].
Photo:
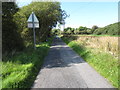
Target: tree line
[
  {"x": 112, "y": 29},
  {"x": 16, "y": 35}
]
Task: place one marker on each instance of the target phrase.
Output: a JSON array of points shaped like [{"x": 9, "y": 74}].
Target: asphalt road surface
[{"x": 63, "y": 68}]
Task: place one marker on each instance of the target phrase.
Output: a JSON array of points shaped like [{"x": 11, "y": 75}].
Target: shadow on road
[{"x": 60, "y": 55}]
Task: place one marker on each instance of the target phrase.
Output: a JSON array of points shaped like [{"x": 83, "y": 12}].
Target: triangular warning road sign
[{"x": 31, "y": 17}]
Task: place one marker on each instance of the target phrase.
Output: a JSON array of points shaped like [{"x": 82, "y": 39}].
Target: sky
[
  {"x": 87, "y": 13},
  {"x": 90, "y": 13}
]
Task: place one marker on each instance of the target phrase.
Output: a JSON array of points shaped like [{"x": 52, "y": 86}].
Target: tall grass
[
  {"x": 103, "y": 43},
  {"x": 90, "y": 49},
  {"x": 106, "y": 43},
  {"x": 21, "y": 70}
]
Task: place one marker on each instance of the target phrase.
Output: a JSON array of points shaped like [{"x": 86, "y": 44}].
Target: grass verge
[
  {"x": 98, "y": 35},
  {"x": 21, "y": 70},
  {"x": 103, "y": 62}
]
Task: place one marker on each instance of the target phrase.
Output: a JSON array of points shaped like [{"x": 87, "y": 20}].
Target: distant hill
[{"x": 112, "y": 29}]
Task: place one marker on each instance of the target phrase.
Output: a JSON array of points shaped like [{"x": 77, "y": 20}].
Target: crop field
[{"x": 101, "y": 52}]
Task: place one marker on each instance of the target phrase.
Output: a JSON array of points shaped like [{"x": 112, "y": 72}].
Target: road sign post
[
  {"x": 33, "y": 23},
  {"x": 34, "y": 31}
]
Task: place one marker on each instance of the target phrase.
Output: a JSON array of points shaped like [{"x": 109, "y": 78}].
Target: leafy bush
[{"x": 80, "y": 30}]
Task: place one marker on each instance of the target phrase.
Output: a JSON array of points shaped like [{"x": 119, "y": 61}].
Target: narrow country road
[{"x": 63, "y": 68}]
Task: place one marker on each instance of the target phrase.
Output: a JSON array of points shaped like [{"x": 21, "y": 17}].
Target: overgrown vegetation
[
  {"x": 105, "y": 63},
  {"x": 16, "y": 35},
  {"x": 21, "y": 70}
]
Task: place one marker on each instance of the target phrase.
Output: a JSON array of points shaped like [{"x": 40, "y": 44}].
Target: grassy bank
[
  {"x": 105, "y": 63},
  {"x": 21, "y": 70},
  {"x": 98, "y": 35}
]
